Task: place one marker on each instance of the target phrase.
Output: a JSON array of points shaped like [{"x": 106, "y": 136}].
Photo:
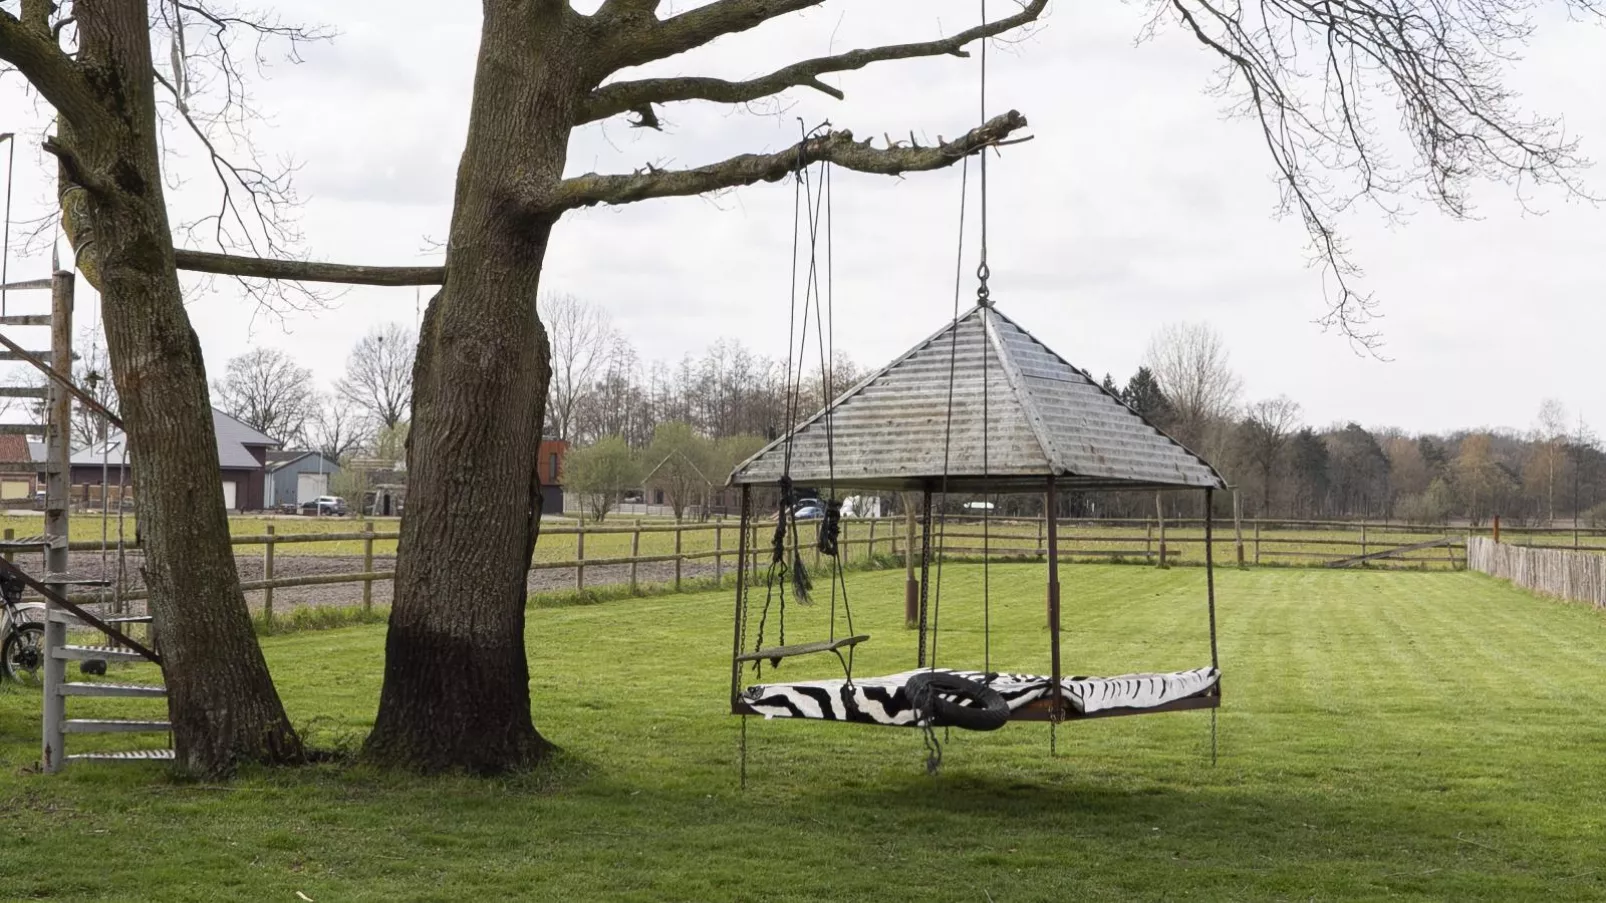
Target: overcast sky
[{"x": 1137, "y": 204}]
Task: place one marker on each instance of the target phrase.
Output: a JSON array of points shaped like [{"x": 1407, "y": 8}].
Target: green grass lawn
[{"x": 1401, "y": 736}]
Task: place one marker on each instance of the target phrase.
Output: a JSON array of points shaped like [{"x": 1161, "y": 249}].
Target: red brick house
[{"x": 550, "y": 472}]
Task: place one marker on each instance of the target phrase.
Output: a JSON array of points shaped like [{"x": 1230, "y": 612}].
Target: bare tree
[
  {"x": 379, "y": 374},
  {"x": 1268, "y": 427},
  {"x": 268, "y": 391},
  {"x": 484, "y": 357},
  {"x": 545, "y": 69},
  {"x": 1550, "y": 440},
  {"x": 1195, "y": 373},
  {"x": 92, "y": 372},
  {"x": 584, "y": 342},
  {"x": 1315, "y": 75},
  {"x": 336, "y": 429},
  {"x": 108, "y": 146}
]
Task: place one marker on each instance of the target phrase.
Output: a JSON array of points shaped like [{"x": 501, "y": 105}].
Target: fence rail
[
  {"x": 1560, "y": 573},
  {"x": 627, "y": 547}
]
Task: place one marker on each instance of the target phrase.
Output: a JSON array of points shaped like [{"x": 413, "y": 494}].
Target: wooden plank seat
[{"x": 779, "y": 652}]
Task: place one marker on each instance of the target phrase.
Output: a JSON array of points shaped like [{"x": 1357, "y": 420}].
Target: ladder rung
[
  {"x": 29, "y": 467},
  {"x": 21, "y": 429},
  {"x": 27, "y": 284},
  {"x": 89, "y": 689},
  {"x": 98, "y": 653},
  {"x": 24, "y": 392},
  {"x": 14, "y": 356},
  {"x": 25, "y": 320},
  {"x": 132, "y": 755},
  {"x": 113, "y": 726}
]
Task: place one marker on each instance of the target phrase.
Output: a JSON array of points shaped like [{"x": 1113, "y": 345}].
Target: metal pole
[
  {"x": 1056, "y": 699},
  {"x": 925, "y": 570},
  {"x": 911, "y": 587},
  {"x": 58, "y": 450},
  {"x": 741, "y": 596},
  {"x": 1210, "y": 575}
]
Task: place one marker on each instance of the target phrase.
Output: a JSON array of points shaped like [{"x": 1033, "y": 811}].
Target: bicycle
[{"x": 22, "y": 634}]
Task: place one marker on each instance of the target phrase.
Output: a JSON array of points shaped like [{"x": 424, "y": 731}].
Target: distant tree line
[{"x": 1282, "y": 466}]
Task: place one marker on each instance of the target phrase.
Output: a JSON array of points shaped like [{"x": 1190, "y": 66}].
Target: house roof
[
  {"x": 278, "y": 460},
  {"x": 234, "y": 440},
  {"x": 1019, "y": 414}
]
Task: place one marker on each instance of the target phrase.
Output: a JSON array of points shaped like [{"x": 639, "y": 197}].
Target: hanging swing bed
[{"x": 980, "y": 407}]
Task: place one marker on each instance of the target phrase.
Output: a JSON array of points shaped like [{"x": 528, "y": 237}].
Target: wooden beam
[{"x": 306, "y": 270}]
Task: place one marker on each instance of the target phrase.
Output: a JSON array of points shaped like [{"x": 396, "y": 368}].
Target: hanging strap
[{"x": 1210, "y": 573}]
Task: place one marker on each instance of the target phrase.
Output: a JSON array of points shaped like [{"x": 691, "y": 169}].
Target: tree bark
[
  {"x": 221, "y": 699},
  {"x": 456, "y": 687}
]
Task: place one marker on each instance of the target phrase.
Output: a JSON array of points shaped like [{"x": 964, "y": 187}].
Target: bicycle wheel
[{"x": 22, "y": 658}]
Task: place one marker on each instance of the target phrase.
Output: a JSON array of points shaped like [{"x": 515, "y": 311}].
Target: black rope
[
  {"x": 5, "y": 253},
  {"x": 948, "y": 426},
  {"x": 984, "y": 300}
]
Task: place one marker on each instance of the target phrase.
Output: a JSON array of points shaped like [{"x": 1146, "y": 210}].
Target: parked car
[
  {"x": 325, "y": 506},
  {"x": 808, "y": 512}
]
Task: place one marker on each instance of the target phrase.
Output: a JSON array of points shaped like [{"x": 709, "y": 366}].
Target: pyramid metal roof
[{"x": 1038, "y": 414}]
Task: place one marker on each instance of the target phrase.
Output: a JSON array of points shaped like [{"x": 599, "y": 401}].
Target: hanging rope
[
  {"x": 983, "y": 299},
  {"x": 948, "y": 426},
  {"x": 5, "y": 253}
]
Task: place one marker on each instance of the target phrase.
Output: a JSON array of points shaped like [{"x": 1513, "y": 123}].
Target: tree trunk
[
  {"x": 456, "y": 688},
  {"x": 221, "y": 699}
]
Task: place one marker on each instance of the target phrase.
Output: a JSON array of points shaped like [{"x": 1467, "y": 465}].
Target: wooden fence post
[
  {"x": 870, "y": 543},
  {"x": 267, "y": 574},
  {"x": 1040, "y": 524},
  {"x": 1238, "y": 526},
  {"x": 1257, "y": 543},
  {"x": 368, "y": 566},
  {"x": 11, "y": 535},
  {"x": 580, "y": 560},
  {"x": 1159, "y": 518},
  {"x": 1148, "y": 538},
  {"x": 719, "y": 546},
  {"x": 635, "y": 552},
  {"x": 679, "y": 532},
  {"x": 1363, "y": 537}
]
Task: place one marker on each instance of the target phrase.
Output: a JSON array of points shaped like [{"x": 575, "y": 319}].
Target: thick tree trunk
[
  {"x": 221, "y": 699},
  {"x": 456, "y": 689}
]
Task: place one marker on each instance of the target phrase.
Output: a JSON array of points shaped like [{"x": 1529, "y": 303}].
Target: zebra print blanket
[{"x": 881, "y": 700}]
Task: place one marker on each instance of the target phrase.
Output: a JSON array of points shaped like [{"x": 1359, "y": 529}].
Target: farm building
[
  {"x": 295, "y": 478},
  {"x": 18, "y": 479},
  {"x": 550, "y": 472},
  {"x": 242, "y": 454}
]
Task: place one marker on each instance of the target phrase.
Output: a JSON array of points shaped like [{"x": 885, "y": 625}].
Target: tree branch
[
  {"x": 52, "y": 72},
  {"x": 638, "y": 96},
  {"x": 306, "y": 270},
  {"x": 834, "y": 147},
  {"x": 652, "y": 39}
]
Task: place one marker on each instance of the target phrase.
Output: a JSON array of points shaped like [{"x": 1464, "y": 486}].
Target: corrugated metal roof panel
[{"x": 1018, "y": 412}]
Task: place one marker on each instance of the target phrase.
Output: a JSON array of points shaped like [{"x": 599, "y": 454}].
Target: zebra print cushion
[{"x": 882, "y": 700}]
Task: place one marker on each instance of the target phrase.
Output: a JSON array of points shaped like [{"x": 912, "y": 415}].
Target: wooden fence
[
  {"x": 709, "y": 550},
  {"x": 1559, "y": 573}
]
